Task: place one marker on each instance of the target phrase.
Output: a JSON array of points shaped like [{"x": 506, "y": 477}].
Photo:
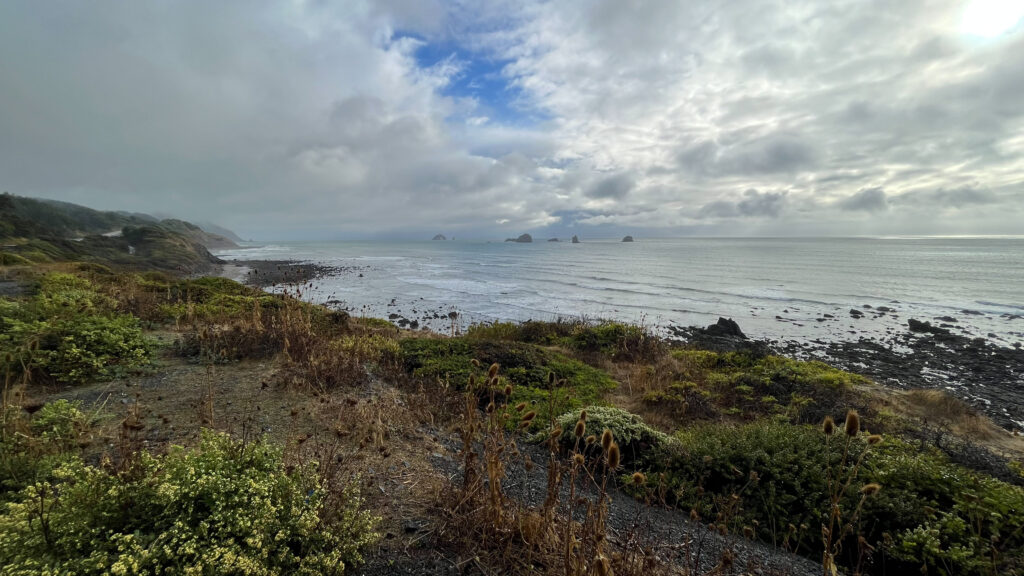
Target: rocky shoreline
[
  {"x": 984, "y": 374},
  {"x": 266, "y": 273}
]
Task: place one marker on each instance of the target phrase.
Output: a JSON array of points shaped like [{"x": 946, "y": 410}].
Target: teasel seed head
[
  {"x": 583, "y": 416},
  {"x": 578, "y": 459},
  {"x": 613, "y": 456},
  {"x": 828, "y": 426},
  {"x": 874, "y": 439},
  {"x": 694, "y": 516},
  {"x": 556, "y": 432},
  {"x": 520, "y": 407},
  {"x": 529, "y": 416},
  {"x": 581, "y": 428},
  {"x": 591, "y": 439},
  {"x": 871, "y": 489},
  {"x": 852, "y": 423},
  {"x": 551, "y": 378},
  {"x": 748, "y": 532},
  {"x": 490, "y": 407},
  {"x": 606, "y": 439},
  {"x": 639, "y": 479},
  {"x": 508, "y": 390},
  {"x": 603, "y": 565},
  {"x": 493, "y": 371}
]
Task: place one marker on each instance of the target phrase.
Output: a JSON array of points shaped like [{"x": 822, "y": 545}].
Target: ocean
[{"x": 799, "y": 289}]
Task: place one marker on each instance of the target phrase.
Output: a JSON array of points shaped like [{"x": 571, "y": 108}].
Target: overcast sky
[{"x": 405, "y": 118}]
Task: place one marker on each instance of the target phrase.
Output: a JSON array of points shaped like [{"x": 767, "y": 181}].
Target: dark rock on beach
[
  {"x": 722, "y": 336},
  {"x": 925, "y": 327},
  {"x": 725, "y": 327}
]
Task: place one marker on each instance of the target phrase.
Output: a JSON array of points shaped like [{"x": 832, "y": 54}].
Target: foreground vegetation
[{"x": 735, "y": 441}]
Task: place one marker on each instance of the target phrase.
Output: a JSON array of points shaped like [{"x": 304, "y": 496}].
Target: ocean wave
[{"x": 1011, "y": 306}]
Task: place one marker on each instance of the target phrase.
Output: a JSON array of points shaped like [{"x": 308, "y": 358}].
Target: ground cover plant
[
  {"x": 222, "y": 507},
  {"x": 68, "y": 332}
]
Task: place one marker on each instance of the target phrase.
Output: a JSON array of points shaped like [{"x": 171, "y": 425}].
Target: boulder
[
  {"x": 627, "y": 239},
  {"x": 725, "y": 327},
  {"x": 925, "y": 327}
]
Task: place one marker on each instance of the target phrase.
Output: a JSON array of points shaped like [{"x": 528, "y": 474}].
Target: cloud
[
  {"x": 752, "y": 204},
  {"x": 962, "y": 197},
  {"x": 613, "y": 187},
  {"x": 866, "y": 200},
  {"x": 313, "y": 119}
]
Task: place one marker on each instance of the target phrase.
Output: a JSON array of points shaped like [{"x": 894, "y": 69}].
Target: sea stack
[
  {"x": 440, "y": 237},
  {"x": 575, "y": 239},
  {"x": 627, "y": 239},
  {"x": 523, "y": 239},
  {"x": 552, "y": 239}
]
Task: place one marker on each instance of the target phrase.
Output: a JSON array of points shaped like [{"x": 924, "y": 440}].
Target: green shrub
[
  {"x": 750, "y": 385},
  {"x": 614, "y": 340},
  {"x": 641, "y": 446},
  {"x": 525, "y": 366},
  {"x": 67, "y": 332},
  {"x": 222, "y": 508},
  {"x": 928, "y": 512},
  {"x": 31, "y": 447}
]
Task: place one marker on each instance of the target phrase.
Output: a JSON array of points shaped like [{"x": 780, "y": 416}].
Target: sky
[{"x": 321, "y": 120}]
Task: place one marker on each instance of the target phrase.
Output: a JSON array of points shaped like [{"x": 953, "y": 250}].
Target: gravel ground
[{"x": 669, "y": 530}]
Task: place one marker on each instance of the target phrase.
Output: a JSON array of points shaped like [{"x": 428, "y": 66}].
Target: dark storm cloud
[
  {"x": 752, "y": 204},
  {"x": 615, "y": 187},
  {"x": 867, "y": 200}
]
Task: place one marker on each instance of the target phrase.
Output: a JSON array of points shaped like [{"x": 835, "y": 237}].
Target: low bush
[
  {"x": 640, "y": 445},
  {"x": 613, "y": 340},
  {"x": 31, "y": 447},
  {"x": 706, "y": 384},
  {"x": 221, "y": 508},
  {"x": 524, "y": 366},
  {"x": 773, "y": 478},
  {"x": 68, "y": 332}
]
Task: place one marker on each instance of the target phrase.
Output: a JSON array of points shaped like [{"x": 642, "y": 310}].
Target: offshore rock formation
[
  {"x": 439, "y": 237},
  {"x": 522, "y": 239},
  {"x": 627, "y": 239}
]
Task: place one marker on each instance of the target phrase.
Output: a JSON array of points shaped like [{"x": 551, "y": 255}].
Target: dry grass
[{"x": 939, "y": 408}]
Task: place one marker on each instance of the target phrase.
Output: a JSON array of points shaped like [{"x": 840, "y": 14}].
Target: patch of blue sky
[{"x": 480, "y": 77}]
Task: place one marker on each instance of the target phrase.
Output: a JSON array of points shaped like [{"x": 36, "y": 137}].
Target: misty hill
[{"x": 35, "y": 231}]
